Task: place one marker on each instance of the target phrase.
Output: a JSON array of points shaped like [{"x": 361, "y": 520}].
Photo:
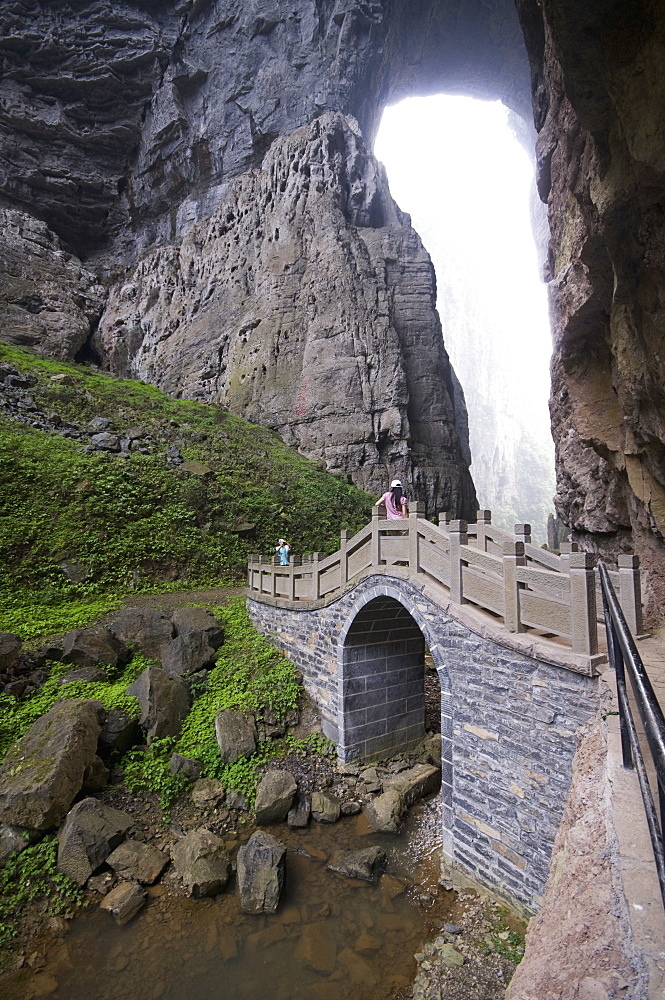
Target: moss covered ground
[{"x": 136, "y": 523}]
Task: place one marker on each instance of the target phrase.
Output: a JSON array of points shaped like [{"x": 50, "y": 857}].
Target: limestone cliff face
[
  {"x": 600, "y": 109},
  {"x": 305, "y": 303}
]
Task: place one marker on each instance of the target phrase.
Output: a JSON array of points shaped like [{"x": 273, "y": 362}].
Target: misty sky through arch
[{"x": 455, "y": 165}]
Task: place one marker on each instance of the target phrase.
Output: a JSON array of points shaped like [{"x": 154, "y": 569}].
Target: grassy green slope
[{"x": 135, "y": 523}]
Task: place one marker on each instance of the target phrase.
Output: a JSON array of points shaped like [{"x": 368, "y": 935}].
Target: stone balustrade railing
[{"x": 523, "y": 586}]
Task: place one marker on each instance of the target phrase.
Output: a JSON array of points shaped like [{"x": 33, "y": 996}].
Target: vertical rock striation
[{"x": 306, "y": 302}]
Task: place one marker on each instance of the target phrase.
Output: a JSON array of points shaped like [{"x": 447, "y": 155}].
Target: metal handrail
[{"x": 623, "y": 657}]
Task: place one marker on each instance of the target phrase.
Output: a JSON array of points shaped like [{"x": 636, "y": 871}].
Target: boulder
[
  {"x": 124, "y": 902},
  {"x": 326, "y": 808},
  {"x": 89, "y": 675},
  {"x": 415, "y": 783},
  {"x": 10, "y": 650},
  {"x": 196, "y": 468},
  {"x": 14, "y": 839},
  {"x": 142, "y": 627},
  {"x": 384, "y": 813},
  {"x": 351, "y": 808},
  {"x": 96, "y": 776},
  {"x": 207, "y": 792},
  {"x": 185, "y": 765},
  {"x": 299, "y": 813},
  {"x": 89, "y": 834},
  {"x": 105, "y": 441},
  {"x": 274, "y": 796},
  {"x": 137, "y": 862},
  {"x": 236, "y": 735},
  {"x": 188, "y": 620},
  {"x": 364, "y": 864},
  {"x": 88, "y": 647},
  {"x": 186, "y": 654},
  {"x": 119, "y": 733},
  {"x": 261, "y": 873},
  {"x": 98, "y": 424},
  {"x": 43, "y": 772},
  {"x": 164, "y": 702},
  {"x": 202, "y": 862}
]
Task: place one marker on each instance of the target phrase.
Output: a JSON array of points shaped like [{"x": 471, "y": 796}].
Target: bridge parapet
[{"x": 525, "y": 588}]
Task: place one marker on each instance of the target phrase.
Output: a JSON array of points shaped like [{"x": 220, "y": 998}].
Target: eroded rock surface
[{"x": 43, "y": 772}]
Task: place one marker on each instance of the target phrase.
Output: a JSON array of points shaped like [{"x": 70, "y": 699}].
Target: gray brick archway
[{"x": 381, "y": 657}]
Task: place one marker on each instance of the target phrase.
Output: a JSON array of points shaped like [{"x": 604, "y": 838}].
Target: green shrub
[{"x": 33, "y": 876}]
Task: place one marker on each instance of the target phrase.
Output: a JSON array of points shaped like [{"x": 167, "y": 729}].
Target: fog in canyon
[{"x": 456, "y": 165}]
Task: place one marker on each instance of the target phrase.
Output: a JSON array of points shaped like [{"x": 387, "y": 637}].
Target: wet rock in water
[
  {"x": 44, "y": 770},
  {"x": 367, "y": 942},
  {"x": 384, "y": 813},
  {"x": 415, "y": 783},
  {"x": 261, "y": 873},
  {"x": 124, "y": 902},
  {"x": 164, "y": 702},
  {"x": 202, "y": 862},
  {"x": 360, "y": 970},
  {"x": 88, "y": 647},
  {"x": 351, "y": 808},
  {"x": 119, "y": 733},
  {"x": 143, "y": 627},
  {"x": 207, "y": 793},
  {"x": 89, "y": 834},
  {"x": 189, "y": 620},
  {"x": 274, "y": 796},
  {"x": 299, "y": 813},
  {"x": 96, "y": 776},
  {"x": 14, "y": 839},
  {"x": 185, "y": 765},
  {"x": 236, "y": 735},
  {"x": 365, "y": 864},
  {"x": 90, "y": 675},
  {"x": 317, "y": 949},
  {"x": 137, "y": 862},
  {"x": 326, "y": 808}
]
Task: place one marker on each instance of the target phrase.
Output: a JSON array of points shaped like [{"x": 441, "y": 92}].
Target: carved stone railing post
[
  {"x": 444, "y": 518},
  {"x": 630, "y": 592},
  {"x": 565, "y": 549},
  {"x": 292, "y": 582},
  {"x": 315, "y": 589},
  {"x": 483, "y": 519},
  {"x": 583, "y": 603},
  {"x": 523, "y": 533},
  {"x": 458, "y": 538},
  {"x": 343, "y": 563},
  {"x": 513, "y": 556},
  {"x": 376, "y": 513},
  {"x": 416, "y": 510}
]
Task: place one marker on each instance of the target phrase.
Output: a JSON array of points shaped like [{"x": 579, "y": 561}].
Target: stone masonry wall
[{"x": 509, "y": 724}]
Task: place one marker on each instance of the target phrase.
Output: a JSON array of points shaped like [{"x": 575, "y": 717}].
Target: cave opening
[{"x": 463, "y": 170}]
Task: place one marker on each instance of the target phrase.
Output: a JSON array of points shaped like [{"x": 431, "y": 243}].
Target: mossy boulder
[{"x": 43, "y": 772}]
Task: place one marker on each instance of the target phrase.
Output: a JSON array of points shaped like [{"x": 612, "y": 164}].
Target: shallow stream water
[{"x": 332, "y": 938}]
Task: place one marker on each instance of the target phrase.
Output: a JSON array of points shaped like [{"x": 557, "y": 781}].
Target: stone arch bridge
[{"x": 512, "y": 632}]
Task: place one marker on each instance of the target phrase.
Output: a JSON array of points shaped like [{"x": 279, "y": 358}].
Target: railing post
[
  {"x": 416, "y": 510},
  {"x": 458, "y": 538},
  {"x": 375, "y": 535},
  {"x": 565, "y": 549},
  {"x": 316, "y": 589},
  {"x": 513, "y": 556},
  {"x": 292, "y": 582},
  {"x": 523, "y": 533},
  {"x": 444, "y": 519},
  {"x": 583, "y": 603},
  {"x": 630, "y": 592},
  {"x": 343, "y": 564},
  {"x": 483, "y": 518}
]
